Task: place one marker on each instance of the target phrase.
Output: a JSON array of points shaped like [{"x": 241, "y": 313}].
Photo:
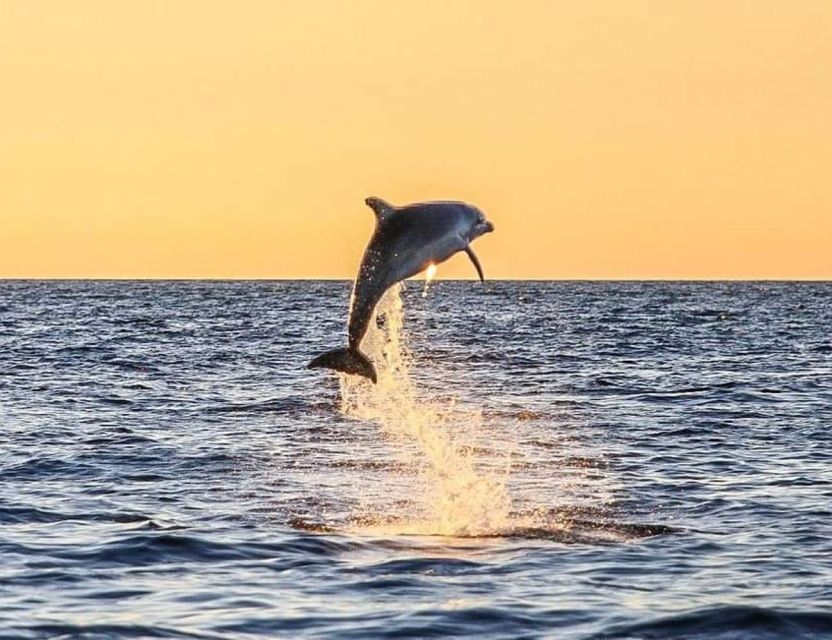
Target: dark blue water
[{"x": 169, "y": 468}]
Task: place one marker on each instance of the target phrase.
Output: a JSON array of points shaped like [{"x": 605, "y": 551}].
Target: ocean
[{"x": 585, "y": 460}]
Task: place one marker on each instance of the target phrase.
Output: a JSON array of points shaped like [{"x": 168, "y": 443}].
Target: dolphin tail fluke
[{"x": 347, "y": 361}]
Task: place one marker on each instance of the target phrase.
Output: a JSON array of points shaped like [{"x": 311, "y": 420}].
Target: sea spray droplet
[{"x": 456, "y": 497}]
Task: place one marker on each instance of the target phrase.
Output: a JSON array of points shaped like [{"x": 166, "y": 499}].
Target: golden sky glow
[{"x": 612, "y": 139}]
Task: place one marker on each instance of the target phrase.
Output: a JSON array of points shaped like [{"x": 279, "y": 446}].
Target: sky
[{"x": 604, "y": 138}]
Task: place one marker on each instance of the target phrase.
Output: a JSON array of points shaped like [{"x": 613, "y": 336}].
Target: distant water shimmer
[{"x": 586, "y": 460}]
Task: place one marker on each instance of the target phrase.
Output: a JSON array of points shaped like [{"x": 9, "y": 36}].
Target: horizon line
[{"x": 336, "y": 279}]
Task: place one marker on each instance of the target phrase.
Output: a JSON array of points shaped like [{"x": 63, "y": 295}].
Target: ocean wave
[{"x": 728, "y": 622}]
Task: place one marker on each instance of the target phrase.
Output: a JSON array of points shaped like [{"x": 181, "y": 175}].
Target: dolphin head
[{"x": 479, "y": 224}]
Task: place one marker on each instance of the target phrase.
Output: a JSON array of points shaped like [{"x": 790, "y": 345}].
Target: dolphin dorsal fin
[{"x": 382, "y": 209}]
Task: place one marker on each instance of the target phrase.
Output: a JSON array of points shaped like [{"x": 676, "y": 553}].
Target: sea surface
[{"x": 539, "y": 460}]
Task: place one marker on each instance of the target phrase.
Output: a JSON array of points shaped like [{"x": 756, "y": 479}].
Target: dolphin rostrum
[{"x": 406, "y": 241}]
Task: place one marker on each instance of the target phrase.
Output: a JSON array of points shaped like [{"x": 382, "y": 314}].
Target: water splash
[
  {"x": 459, "y": 495},
  {"x": 430, "y": 274}
]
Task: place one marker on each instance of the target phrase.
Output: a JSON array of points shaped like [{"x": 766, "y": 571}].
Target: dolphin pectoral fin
[
  {"x": 346, "y": 360},
  {"x": 476, "y": 262}
]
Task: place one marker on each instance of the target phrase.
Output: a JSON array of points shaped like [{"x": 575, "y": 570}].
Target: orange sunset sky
[{"x": 605, "y": 139}]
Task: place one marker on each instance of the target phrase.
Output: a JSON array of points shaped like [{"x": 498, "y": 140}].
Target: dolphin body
[{"x": 406, "y": 241}]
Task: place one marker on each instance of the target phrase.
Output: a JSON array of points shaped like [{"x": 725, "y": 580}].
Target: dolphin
[{"x": 406, "y": 241}]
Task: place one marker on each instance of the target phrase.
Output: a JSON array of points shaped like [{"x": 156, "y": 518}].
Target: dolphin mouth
[{"x": 485, "y": 227}]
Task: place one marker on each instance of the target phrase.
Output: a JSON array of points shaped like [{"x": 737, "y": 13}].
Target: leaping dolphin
[{"x": 406, "y": 241}]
